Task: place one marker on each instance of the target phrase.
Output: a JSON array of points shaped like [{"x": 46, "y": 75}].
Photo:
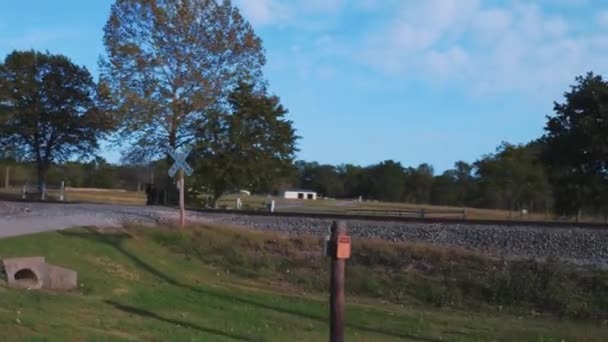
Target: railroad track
[{"x": 411, "y": 219}]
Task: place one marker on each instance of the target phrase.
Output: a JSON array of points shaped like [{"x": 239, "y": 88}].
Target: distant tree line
[{"x": 510, "y": 178}]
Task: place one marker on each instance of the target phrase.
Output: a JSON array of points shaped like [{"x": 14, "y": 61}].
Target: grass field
[
  {"x": 212, "y": 284},
  {"x": 109, "y": 196},
  {"x": 347, "y": 207},
  {"x": 106, "y": 196}
]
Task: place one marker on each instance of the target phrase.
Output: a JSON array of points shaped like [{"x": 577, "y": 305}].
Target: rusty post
[{"x": 336, "y": 299}]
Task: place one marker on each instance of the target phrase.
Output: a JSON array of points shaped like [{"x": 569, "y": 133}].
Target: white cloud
[
  {"x": 509, "y": 46},
  {"x": 491, "y": 49},
  {"x": 264, "y": 12}
]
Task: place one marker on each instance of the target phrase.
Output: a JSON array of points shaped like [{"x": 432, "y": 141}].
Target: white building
[{"x": 300, "y": 194}]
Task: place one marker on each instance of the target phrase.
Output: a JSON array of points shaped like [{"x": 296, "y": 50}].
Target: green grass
[{"x": 212, "y": 284}]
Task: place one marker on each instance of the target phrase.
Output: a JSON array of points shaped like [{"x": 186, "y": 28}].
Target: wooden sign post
[
  {"x": 183, "y": 167},
  {"x": 338, "y": 249}
]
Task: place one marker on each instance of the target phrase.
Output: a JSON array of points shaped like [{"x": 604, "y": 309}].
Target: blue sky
[{"x": 367, "y": 80}]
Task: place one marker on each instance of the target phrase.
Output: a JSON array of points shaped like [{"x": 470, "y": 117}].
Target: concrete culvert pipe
[{"x": 27, "y": 278}]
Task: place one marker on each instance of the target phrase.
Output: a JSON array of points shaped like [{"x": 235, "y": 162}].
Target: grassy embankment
[{"x": 221, "y": 284}]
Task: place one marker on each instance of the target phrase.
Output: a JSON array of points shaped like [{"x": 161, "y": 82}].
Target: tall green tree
[
  {"x": 169, "y": 64},
  {"x": 48, "y": 111},
  {"x": 512, "y": 178},
  {"x": 387, "y": 181},
  {"x": 324, "y": 179},
  {"x": 252, "y": 145},
  {"x": 418, "y": 184},
  {"x": 455, "y": 186},
  {"x": 356, "y": 181},
  {"x": 576, "y": 145}
]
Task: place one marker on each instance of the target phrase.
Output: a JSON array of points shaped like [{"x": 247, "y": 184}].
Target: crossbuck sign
[
  {"x": 180, "y": 161},
  {"x": 180, "y": 164}
]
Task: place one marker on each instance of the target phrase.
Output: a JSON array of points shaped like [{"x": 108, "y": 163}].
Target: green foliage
[
  {"x": 513, "y": 177},
  {"x": 576, "y": 149},
  {"x": 325, "y": 179},
  {"x": 48, "y": 112},
  {"x": 250, "y": 146},
  {"x": 387, "y": 181}
]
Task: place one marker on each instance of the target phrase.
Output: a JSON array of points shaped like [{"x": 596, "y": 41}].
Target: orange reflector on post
[{"x": 343, "y": 250}]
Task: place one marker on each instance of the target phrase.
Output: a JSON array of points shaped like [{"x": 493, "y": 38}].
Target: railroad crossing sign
[
  {"x": 182, "y": 166},
  {"x": 180, "y": 161}
]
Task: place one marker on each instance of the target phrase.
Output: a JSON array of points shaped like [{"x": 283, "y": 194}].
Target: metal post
[
  {"x": 62, "y": 191},
  {"x": 336, "y": 297},
  {"x": 182, "y": 209},
  {"x": 7, "y": 177},
  {"x": 23, "y": 192}
]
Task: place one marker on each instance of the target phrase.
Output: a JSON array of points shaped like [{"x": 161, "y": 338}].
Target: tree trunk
[{"x": 172, "y": 195}]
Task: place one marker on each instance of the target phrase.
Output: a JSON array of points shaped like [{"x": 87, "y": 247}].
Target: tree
[
  {"x": 512, "y": 177},
  {"x": 169, "y": 64},
  {"x": 418, "y": 184},
  {"x": 455, "y": 186},
  {"x": 324, "y": 179},
  {"x": 250, "y": 146},
  {"x": 576, "y": 145},
  {"x": 387, "y": 181},
  {"x": 356, "y": 181},
  {"x": 47, "y": 109}
]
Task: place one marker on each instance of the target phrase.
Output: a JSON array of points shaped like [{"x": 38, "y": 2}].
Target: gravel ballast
[{"x": 582, "y": 246}]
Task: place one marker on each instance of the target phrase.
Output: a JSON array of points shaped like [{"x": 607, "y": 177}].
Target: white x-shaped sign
[{"x": 180, "y": 160}]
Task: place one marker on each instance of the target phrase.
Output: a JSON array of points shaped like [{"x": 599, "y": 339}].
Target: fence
[
  {"x": 421, "y": 213},
  {"x": 30, "y": 191}
]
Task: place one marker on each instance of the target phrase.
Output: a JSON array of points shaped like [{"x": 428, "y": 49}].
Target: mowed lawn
[{"x": 135, "y": 287}]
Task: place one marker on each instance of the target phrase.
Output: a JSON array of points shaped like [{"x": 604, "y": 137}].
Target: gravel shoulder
[{"x": 575, "y": 245}]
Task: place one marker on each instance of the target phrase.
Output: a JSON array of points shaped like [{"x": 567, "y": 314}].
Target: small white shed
[{"x": 300, "y": 194}]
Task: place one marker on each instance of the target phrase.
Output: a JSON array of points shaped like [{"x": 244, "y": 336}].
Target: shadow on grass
[
  {"x": 115, "y": 240},
  {"x": 148, "y": 314}
]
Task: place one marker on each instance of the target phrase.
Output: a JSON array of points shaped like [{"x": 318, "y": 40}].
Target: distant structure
[{"x": 300, "y": 194}]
